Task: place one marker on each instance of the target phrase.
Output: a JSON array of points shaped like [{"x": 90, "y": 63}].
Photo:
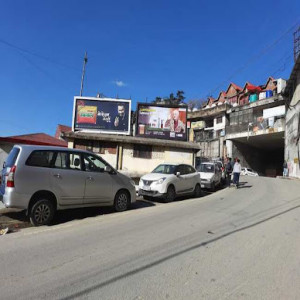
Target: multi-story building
[
  {"x": 244, "y": 122},
  {"x": 292, "y": 134}
]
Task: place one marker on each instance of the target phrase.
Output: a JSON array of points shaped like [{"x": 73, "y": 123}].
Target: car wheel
[
  {"x": 42, "y": 212},
  {"x": 213, "y": 187},
  {"x": 197, "y": 191},
  {"x": 122, "y": 201},
  {"x": 171, "y": 194}
]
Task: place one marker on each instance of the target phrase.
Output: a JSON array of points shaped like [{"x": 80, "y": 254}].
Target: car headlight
[
  {"x": 132, "y": 182},
  {"x": 160, "y": 181}
]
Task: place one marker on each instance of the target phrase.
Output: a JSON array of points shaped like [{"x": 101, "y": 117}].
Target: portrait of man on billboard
[
  {"x": 174, "y": 123},
  {"x": 121, "y": 119}
]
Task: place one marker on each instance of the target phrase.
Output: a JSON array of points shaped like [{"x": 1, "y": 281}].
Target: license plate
[
  {"x": 202, "y": 186},
  {"x": 146, "y": 188}
]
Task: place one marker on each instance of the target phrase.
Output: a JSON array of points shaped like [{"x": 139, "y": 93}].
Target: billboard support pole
[{"x": 83, "y": 72}]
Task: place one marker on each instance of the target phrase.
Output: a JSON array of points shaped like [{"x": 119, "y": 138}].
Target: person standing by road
[
  {"x": 236, "y": 172},
  {"x": 285, "y": 169},
  {"x": 228, "y": 170}
]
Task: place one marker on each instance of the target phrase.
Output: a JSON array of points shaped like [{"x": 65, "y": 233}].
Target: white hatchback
[
  {"x": 170, "y": 180},
  {"x": 211, "y": 175},
  {"x": 249, "y": 172}
]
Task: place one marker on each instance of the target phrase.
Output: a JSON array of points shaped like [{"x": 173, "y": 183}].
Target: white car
[
  {"x": 249, "y": 172},
  {"x": 170, "y": 180},
  {"x": 211, "y": 175}
]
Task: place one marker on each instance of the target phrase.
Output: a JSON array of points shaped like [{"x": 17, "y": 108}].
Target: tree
[
  {"x": 179, "y": 99},
  {"x": 196, "y": 103}
]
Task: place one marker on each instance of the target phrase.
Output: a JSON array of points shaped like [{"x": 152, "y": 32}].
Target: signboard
[
  {"x": 162, "y": 122},
  {"x": 198, "y": 125},
  {"x": 274, "y": 112},
  {"x": 103, "y": 115}
]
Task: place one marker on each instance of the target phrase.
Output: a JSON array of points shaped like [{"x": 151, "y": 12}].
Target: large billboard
[
  {"x": 103, "y": 115},
  {"x": 163, "y": 122}
]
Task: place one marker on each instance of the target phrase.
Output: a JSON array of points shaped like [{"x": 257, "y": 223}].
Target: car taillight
[{"x": 10, "y": 182}]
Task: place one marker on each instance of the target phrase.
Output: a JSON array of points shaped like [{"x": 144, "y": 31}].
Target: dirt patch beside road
[{"x": 13, "y": 219}]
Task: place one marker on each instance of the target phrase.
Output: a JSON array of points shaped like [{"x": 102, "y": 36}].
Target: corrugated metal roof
[{"x": 34, "y": 139}]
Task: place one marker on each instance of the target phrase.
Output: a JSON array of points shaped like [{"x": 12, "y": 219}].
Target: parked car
[
  {"x": 168, "y": 181},
  {"x": 249, "y": 172},
  {"x": 211, "y": 175},
  {"x": 44, "y": 179},
  {"x": 222, "y": 168}
]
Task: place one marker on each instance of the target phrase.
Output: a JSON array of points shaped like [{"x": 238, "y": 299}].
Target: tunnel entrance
[{"x": 263, "y": 153}]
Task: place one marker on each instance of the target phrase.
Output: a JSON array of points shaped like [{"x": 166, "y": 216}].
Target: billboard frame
[
  {"x": 102, "y": 100},
  {"x": 165, "y": 106}
]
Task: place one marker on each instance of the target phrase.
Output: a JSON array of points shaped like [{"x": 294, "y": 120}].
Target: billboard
[
  {"x": 103, "y": 115},
  {"x": 162, "y": 122}
]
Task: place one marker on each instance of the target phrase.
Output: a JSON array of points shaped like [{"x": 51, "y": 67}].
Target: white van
[{"x": 44, "y": 179}]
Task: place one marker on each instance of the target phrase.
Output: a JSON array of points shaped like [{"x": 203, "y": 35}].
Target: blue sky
[{"x": 137, "y": 49}]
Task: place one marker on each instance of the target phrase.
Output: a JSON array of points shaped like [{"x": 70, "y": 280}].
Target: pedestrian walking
[
  {"x": 236, "y": 172},
  {"x": 228, "y": 171},
  {"x": 285, "y": 169}
]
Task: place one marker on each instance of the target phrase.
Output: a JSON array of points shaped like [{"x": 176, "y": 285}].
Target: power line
[
  {"x": 37, "y": 55},
  {"x": 253, "y": 58}
]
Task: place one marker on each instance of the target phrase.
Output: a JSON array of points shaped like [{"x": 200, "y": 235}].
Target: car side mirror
[
  {"x": 177, "y": 174},
  {"x": 107, "y": 169}
]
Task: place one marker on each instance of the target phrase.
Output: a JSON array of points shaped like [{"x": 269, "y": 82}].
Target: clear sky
[{"x": 138, "y": 49}]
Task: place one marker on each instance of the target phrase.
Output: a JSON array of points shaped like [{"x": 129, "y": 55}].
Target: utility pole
[{"x": 83, "y": 72}]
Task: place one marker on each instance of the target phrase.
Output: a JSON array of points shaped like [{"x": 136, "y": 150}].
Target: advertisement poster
[
  {"x": 102, "y": 115},
  {"x": 162, "y": 122}
]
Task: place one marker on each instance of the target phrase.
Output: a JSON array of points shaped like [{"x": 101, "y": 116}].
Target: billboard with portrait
[
  {"x": 162, "y": 122},
  {"x": 103, "y": 115}
]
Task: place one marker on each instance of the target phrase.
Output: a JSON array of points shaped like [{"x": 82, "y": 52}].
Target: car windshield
[
  {"x": 250, "y": 170},
  {"x": 165, "y": 169},
  {"x": 206, "y": 168}
]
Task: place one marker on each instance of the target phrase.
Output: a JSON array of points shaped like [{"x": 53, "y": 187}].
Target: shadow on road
[
  {"x": 17, "y": 219},
  {"x": 158, "y": 261},
  {"x": 64, "y": 216}
]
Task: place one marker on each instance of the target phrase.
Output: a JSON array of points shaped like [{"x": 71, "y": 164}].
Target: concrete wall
[
  {"x": 212, "y": 149},
  {"x": 121, "y": 156},
  {"x": 136, "y": 167},
  {"x": 292, "y": 142},
  {"x": 220, "y": 125}
]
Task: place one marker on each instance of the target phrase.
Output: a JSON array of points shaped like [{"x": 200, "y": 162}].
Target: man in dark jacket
[{"x": 228, "y": 170}]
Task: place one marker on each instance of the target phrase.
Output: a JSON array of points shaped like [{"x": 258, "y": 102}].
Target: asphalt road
[{"x": 233, "y": 244}]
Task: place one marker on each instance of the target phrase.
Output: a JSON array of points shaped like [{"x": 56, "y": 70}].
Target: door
[
  {"x": 98, "y": 182},
  {"x": 191, "y": 178},
  {"x": 180, "y": 184},
  {"x": 68, "y": 178}
]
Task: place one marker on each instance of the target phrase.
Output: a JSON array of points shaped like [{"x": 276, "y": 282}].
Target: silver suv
[{"x": 44, "y": 179}]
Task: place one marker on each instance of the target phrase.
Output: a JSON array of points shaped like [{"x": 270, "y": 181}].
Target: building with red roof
[{"x": 42, "y": 139}]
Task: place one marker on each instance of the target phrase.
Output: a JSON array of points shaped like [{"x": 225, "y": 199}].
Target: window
[
  {"x": 165, "y": 169},
  {"x": 40, "y": 158},
  {"x": 142, "y": 151},
  {"x": 182, "y": 169},
  {"x": 12, "y": 157},
  {"x": 219, "y": 120},
  {"x": 233, "y": 118},
  {"x": 93, "y": 163},
  {"x": 68, "y": 160},
  {"x": 190, "y": 169}
]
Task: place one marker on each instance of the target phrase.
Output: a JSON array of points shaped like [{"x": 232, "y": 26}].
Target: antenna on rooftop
[{"x": 83, "y": 72}]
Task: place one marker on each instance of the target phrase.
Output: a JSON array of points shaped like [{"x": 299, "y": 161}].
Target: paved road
[{"x": 233, "y": 244}]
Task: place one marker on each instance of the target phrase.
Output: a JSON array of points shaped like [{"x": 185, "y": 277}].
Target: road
[{"x": 233, "y": 244}]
